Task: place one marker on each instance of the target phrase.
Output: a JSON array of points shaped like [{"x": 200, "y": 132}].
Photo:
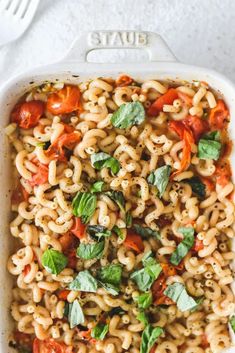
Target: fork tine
[
  {"x": 31, "y": 8},
  {"x": 14, "y": 5},
  {"x": 22, "y": 8},
  {"x": 4, "y": 4}
]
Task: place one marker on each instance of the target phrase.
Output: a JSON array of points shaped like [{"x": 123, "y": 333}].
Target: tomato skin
[
  {"x": 198, "y": 245},
  {"x": 41, "y": 177},
  {"x": 134, "y": 241},
  {"x": 223, "y": 173},
  {"x": 68, "y": 140},
  {"x": 50, "y": 346},
  {"x": 78, "y": 228},
  {"x": 19, "y": 194},
  {"x": 66, "y": 241},
  {"x": 210, "y": 186},
  {"x": 64, "y": 101},
  {"x": 167, "y": 98},
  {"x": 123, "y": 81},
  {"x": 63, "y": 294},
  {"x": 197, "y": 125},
  {"x": 168, "y": 270},
  {"x": 185, "y": 98},
  {"x": 26, "y": 115},
  {"x": 218, "y": 116}
]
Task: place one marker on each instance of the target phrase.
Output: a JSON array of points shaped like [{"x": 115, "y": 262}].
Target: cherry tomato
[
  {"x": 78, "y": 228},
  {"x": 41, "y": 177},
  {"x": 134, "y": 242},
  {"x": 50, "y": 346},
  {"x": 27, "y": 114},
  {"x": 64, "y": 101},
  {"x": 123, "y": 81},
  {"x": 218, "y": 116},
  {"x": 167, "y": 98},
  {"x": 197, "y": 125}
]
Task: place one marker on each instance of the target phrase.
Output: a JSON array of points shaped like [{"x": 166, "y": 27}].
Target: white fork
[{"x": 15, "y": 17}]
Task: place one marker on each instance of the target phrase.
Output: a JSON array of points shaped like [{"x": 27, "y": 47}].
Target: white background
[{"x": 201, "y": 32}]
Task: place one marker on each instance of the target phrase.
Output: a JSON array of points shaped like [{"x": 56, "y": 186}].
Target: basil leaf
[
  {"x": 149, "y": 337},
  {"x": 54, "y": 261},
  {"x": 197, "y": 186},
  {"x": 179, "y": 295},
  {"x": 104, "y": 160},
  {"x": 99, "y": 331},
  {"x": 97, "y": 187},
  {"x": 185, "y": 245},
  {"x": 76, "y": 315},
  {"x": 118, "y": 198},
  {"x": 110, "y": 274},
  {"x": 145, "y": 277},
  {"x": 160, "y": 178},
  {"x": 213, "y": 135},
  {"x": 120, "y": 233},
  {"x": 144, "y": 300},
  {"x": 98, "y": 231},
  {"x": 116, "y": 311},
  {"x": 199, "y": 301},
  {"x": 90, "y": 251},
  {"x": 232, "y": 323},
  {"x": 110, "y": 288},
  {"x": 209, "y": 149},
  {"x": 84, "y": 282},
  {"x": 84, "y": 205},
  {"x": 142, "y": 317},
  {"x": 128, "y": 219},
  {"x": 128, "y": 114},
  {"x": 146, "y": 232}
]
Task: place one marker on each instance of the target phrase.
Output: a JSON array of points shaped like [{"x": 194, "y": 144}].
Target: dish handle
[{"x": 151, "y": 42}]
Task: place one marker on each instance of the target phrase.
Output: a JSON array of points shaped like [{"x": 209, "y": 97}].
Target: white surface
[{"x": 200, "y": 32}]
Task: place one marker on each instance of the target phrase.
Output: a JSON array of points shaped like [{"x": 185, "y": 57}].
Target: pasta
[{"x": 123, "y": 210}]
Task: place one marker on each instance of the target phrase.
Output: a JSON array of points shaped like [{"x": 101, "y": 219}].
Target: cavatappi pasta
[{"x": 123, "y": 210}]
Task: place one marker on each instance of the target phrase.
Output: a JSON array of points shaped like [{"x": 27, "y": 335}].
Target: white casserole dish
[{"x": 73, "y": 68}]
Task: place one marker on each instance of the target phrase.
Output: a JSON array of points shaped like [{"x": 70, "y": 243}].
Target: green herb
[
  {"x": 110, "y": 277},
  {"x": 116, "y": 311},
  {"x": 146, "y": 232},
  {"x": 75, "y": 316},
  {"x": 197, "y": 186},
  {"x": 232, "y": 323},
  {"x": 149, "y": 337},
  {"x": 128, "y": 219},
  {"x": 118, "y": 198},
  {"x": 97, "y": 187},
  {"x": 199, "y": 301},
  {"x": 104, "y": 160},
  {"x": 209, "y": 146},
  {"x": 128, "y": 114},
  {"x": 98, "y": 231},
  {"x": 110, "y": 288},
  {"x": 142, "y": 317},
  {"x": 84, "y": 282},
  {"x": 99, "y": 331},
  {"x": 91, "y": 251},
  {"x": 184, "y": 247},
  {"x": 54, "y": 261},
  {"x": 44, "y": 145},
  {"x": 119, "y": 232},
  {"x": 84, "y": 205},
  {"x": 145, "y": 277},
  {"x": 179, "y": 295},
  {"x": 144, "y": 300},
  {"x": 160, "y": 178}
]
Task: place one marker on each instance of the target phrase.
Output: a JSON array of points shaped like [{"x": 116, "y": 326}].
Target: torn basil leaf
[
  {"x": 54, "y": 261},
  {"x": 97, "y": 187},
  {"x": 149, "y": 337},
  {"x": 179, "y": 295},
  {"x": 232, "y": 323},
  {"x": 160, "y": 178},
  {"x": 144, "y": 300},
  {"x": 75, "y": 316},
  {"x": 116, "y": 311},
  {"x": 185, "y": 245},
  {"x": 197, "y": 186},
  {"x": 128, "y": 114},
  {"x": 199, "y": 301},
  {"x": 84, "y": 282},
  {"x": 118, "y": 198},
  {"x": 209, "y": 146},
  {"x": 145, "y": 277},
  {"x": 146, "y": 232},
  {"x": 142, "y": 317},
  {"x": 91, "y": 251},
  {"x": 98, "y": 232},
  {"x": 119, "y": 231},
  {"x": 128, "y": 219},
  {"x": 104, "y": 160},
  {"x": 110, "y": 278},
  {"x": 99, "y": 331},
  {"x": 84, "y": 205},
  {"x": 213, "y": 135}
]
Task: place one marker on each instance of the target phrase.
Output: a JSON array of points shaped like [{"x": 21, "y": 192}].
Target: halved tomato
[
  {"x": 64, "y": 101},
  {"x": 134, "y": 242},
  {"x": 78, "y": 228},
  {"x": 50, "y": 346},
  {"x": 27, "y": 114}
]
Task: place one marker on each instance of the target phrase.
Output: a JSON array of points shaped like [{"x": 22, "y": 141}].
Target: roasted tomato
[
  {"x": 41, "y": 177},
  {"x": 50, "y": 346},
  {"x": 123, "y": 81},
  {"x": 64, "y": 101},
  {"x": 19, "y": 194},
  {"x": 78, "y": 228},
  {"x": 218, "y": 117},
  {"x": 167, "y": 98},
  {"x": 134, "y": 242},
  {"x": 198, "y": 126},
  {"x": 26, "y": 115}
]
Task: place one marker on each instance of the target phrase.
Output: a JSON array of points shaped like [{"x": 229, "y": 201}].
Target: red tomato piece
[
  {"x": 210, "y": 186},
  {"x": 19, "y": 195},
  {"x": 223, "y": 173},
  {"x": 198, "y": 245},
  {"x": 66, "y": 240},
  {"x": 50, "y": 346},
  {"x": 26, "y": 115},
  {"x": 197, "y": 125},
  {"x": 168, "y": 270},
  {"x": 167, "y": 98},
  {"x": 78, "y": 228},
  {"x": 218, "y": 116},
  {"x": 123, "y": 81},
  {"x": 63, "y": 294},
  {"x": 64, "y": 101},
  {"x": 185, "y": 98},
  {"x": 134, "y": 242},
  {"x": 26, "y": 270},
  {"x": 41, "y": 177},
  {"x": 66, "y": 140}
]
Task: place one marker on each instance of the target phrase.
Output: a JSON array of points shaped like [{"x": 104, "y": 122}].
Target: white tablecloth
[{"x": 201, "y": 32}]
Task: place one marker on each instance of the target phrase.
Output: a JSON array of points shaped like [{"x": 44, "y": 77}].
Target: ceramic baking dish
[{"x": 73, "y": 68}]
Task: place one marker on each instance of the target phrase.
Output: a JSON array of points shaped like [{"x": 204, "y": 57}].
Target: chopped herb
[
  {"x": 142, "y": 317},
  {"x": 185, "y": 245},
  {"x": 98, "y": 231},
  {"x": 84, "y": 205},
  {"x": 100, "y": 331},
  {"x": 119, "y": 231},
  {"x": 145, "y": 277},
  {"x": 232, "y": 323},
  {"x": 91, "y": 251},
  {"x": 104, "y": 160},
  {"x": 209, "y": 146},
  {"x": 128, "y": 114},
  {"x": 75, "y": 316},
  {"x": 144, "y": 300},
  {"x": 118, "y": 198},
  {"x": 54, "y": 261},
  {"x": 128, "y": 219},
  {"x": 179, "y": 295},
  {"x": 84, "y": 282},
  {"x": 146, "y": 232},
  {"x": 197, "y": 186},
  {"x": 149, "y": 337},
  {"x": 97, "y": 187},
  {"x": 160, "y": 178}
]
